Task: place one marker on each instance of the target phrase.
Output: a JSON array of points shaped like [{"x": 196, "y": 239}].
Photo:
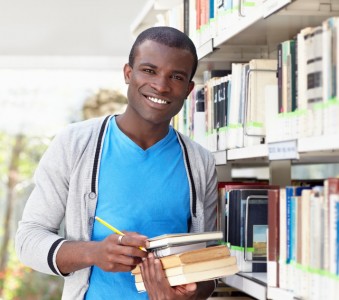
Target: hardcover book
[
  {"x": 183, "y": 238},
  {"x": 190, "y": 257},
  {"x": 196, "y": 267},
  {"x": 169, "y": 250},
  {"x": 195, "y": 276}
]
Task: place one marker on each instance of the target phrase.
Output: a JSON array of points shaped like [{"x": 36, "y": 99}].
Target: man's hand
[
  {"x": 110, "y": 255},
  {"x": 158, "y": 287}
]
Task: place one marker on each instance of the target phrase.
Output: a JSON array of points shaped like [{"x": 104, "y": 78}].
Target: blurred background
[{"x": 60, "y": 62}]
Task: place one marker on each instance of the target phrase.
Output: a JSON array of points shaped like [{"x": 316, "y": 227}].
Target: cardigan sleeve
[
  {"x": 211, "y": 197},
  {"x": 37, "y": 239}
]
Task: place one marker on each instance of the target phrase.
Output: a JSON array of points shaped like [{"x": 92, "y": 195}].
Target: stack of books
[{"x": 189, "y": 259}]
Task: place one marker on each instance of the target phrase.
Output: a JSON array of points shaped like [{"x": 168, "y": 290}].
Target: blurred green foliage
[{"x": 19, "y": 156}]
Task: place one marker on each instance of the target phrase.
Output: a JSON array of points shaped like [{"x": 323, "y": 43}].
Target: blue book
[
  {"x": 337, "y": 237},
  {"x": 291, "y": 192}
]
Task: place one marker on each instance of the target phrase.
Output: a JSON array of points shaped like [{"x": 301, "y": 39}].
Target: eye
[
  {"x": 177, "y": 77},
  {"x": 150, "y": 71}
]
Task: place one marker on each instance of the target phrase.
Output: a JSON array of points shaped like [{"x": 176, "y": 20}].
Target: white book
[
  {"x": 283, "y": 241},
  {"x": 233, "y": 127},
  {"x": 314, "y": 81},
  {"x": 302, "y": 80},
  {"x": 333, "y": 231},
  {"x": 183, "y": 238},
  {"x": 305, "y": 242},
  {"x": 169, "y": 250},
  {"x": 262, "y": 73}
]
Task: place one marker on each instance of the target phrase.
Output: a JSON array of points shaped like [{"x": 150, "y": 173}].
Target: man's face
[{"x": 159, "y": 82}]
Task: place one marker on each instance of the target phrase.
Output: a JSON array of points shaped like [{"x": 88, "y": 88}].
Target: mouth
[{"x": 157, "y": 100}]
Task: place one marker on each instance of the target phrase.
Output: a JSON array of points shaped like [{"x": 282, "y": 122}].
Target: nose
[{"x": 160, "y": 84}]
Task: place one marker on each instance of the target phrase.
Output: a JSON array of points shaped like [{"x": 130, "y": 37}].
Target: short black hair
[{"x": 167, "y": 36}]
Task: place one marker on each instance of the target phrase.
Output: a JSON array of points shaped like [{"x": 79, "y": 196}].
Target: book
[
  {"x": 183, "y": 238},
  {"x": 261, "y": 74},
  {"x": 314, "y": 73},
  {"x": 194, "y": 256},
  {"x": 273, "y": 239},
  {"x": 246, "y": 225},
  {"x": 196, "y": 276},
  {"x": 331, "y": 189},
  {"x": 169, "y": 250},
  {"x": 196, "y": 267}
]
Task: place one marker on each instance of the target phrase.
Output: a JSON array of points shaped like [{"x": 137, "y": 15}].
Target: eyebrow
[{"x": 150, "y": 65}]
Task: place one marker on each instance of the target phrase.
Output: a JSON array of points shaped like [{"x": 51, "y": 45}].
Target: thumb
[{"x": 191, "y": 287}]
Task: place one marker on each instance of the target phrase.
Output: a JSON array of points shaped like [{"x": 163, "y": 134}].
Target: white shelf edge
[
  {"x": 220, "y": 157},
  {"x": 247, "y": 286},
  {"x": 271, "y": 6},
  {"x": 319, "y": 143},
  {"x": 248, "y": 152},
  {"x": 205, "y": 49},
  {"x": 274, "y": 293},
  {"x": 238, "y": 26},
  {"x": 315, "y": 145},
  {"x": 143, "y": 15}
]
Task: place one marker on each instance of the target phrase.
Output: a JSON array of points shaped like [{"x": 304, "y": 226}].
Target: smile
[{"x": 157, "y": 100}]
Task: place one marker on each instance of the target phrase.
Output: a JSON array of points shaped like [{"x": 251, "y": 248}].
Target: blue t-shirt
[{"x": 145, "y": 191}]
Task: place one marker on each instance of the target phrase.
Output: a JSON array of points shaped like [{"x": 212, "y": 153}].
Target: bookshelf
[{"x": 255, "y": 34}]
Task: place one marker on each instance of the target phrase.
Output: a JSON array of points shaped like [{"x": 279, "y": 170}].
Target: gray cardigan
[{"x": 65, "y": 196}]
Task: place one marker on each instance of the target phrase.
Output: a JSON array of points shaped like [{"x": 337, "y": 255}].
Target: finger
[
  {"x": 191, "y": 287},
  {"x": 126, "y": 260},
  {"x": 136, "y": 241},
  {"x": 135, "y": 234}
]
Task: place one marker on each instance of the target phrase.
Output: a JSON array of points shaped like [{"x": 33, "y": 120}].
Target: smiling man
[{"x": 134, "y": 171}]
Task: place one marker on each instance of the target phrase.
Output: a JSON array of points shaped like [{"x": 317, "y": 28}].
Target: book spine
[{"x": 279, "y": 76}]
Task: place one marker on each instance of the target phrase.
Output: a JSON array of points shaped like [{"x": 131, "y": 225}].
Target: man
[{"x": 135, "y": 172}]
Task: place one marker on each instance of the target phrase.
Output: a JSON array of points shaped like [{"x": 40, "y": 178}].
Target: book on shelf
[
  {"x": 260, "y": 75},
  {"x": 273, "y": 238},
  {"x": 330, "y": 74},
  {"x": 314, "y": 70},
  {"x": 166, "y": 240},
  {"x": 234, "y": 128},
  {"x": 199, "y": 130},
  {"x": 169, "y": 250},
  {"x": 293, "y": 227},
  {"x": 194, "y": 266},
  {"x": 331, "y": 191},
  {"x": 246, "y": 225},
  {"x": 193, "y": 256},
  {"x": 223, "y": 187}
]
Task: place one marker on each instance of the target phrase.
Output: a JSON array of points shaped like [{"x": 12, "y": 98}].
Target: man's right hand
[{"x": 109, "y": 254}]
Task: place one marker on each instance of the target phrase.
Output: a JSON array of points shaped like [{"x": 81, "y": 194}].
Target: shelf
[
  {"x": 262, "y": 30},
  {"x": 321, "y": 149},
  {"x": 329, "y": 143},
  {"x": 253, "y": 284},
  {"x": 148, "y": 16},
  {"x": 252, "y": 152},
  {"x": 205, "y": 49},
  {"x": 279, "y": 294}
]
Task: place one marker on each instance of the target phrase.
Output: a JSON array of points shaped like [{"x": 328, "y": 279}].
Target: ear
[
  {"x": 190, "y": 87},
  {"x": 127, "y": 73}
]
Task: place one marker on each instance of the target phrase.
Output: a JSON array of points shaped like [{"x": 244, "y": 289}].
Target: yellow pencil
[
  {"x": 117, "y": 231},
  {"x": 109, "y": 226}
]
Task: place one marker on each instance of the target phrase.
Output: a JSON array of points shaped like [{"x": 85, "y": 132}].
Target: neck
[{"x": 144, "y": 134}]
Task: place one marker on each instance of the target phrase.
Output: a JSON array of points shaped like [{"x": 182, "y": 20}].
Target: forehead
[{"x": 152, "y": 51}]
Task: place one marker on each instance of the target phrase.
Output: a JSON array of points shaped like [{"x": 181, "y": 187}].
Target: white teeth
[{"x": 157, "y": 100}]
